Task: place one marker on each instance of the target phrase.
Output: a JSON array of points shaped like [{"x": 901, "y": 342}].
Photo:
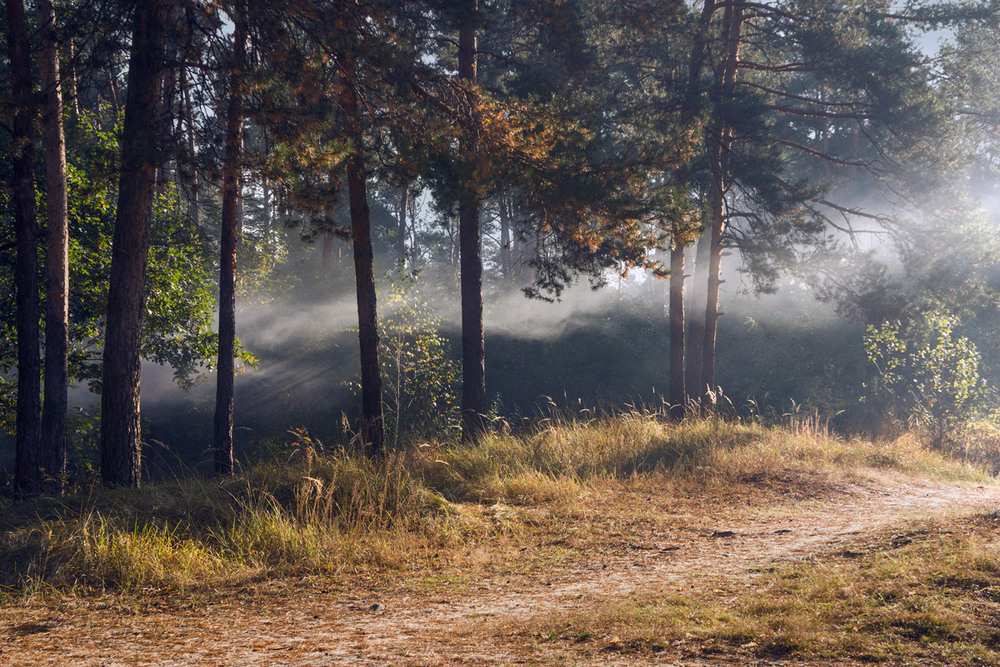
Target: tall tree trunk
[
  {"x": 116, "y": 93},
  {"x": 527, "y": 255},
  {"x": 176, "y": 26},
  {"x": 232, "y": 166},
  {"x": 120, "y": 427},
  {"x": 696, "y": 335},
  {"x": 53, "y": 445},
  {"x": 414, "y": 248},
  {"x": 372, "y": 420},
  {"x": 732, "y": 25},
  {"x": 453, "y": 242},
  {"x": 27, "y": 422},
  {"x": 717, "y": 218},
  {"x": 696, "y": 327},
  {"x": 678, "y": 391},
  {"x": 163, "y": 177},
  {"x": 265, "y": 203},
  {"x": 240, "y": 189},
  {"x": 516, "y": 250},
  {"x": 470, "y": 235}
]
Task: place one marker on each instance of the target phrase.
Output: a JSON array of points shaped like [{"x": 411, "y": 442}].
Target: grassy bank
[{"x": 314, "y": 511}]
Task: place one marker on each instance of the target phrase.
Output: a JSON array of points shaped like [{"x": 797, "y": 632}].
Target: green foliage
[
  {"x": 262, "y": 253},
  {"x": 177, "y": 327},
  {"x": 925, "y": 371},
  {"x": 596, "y": 148},
  {"x": 178, "y": 323},
  {"x": 421, "y": 380}
]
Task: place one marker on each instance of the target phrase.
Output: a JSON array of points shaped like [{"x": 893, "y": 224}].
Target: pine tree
[
  {"x": 121, "y": 447},
  {"x": 372, "y": 420},
  {"x": 28, "y": 425},
  {"x": 808, "y": 98},
  {"x": 231, "y": 194},
  {"x": 53, "y": 427},
  {"x": 470, "y": 235}
]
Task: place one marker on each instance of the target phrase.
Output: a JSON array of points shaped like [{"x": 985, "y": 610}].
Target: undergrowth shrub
[
  {"x": 926, "y": 372},
  {"x": 978, "y": 442}
]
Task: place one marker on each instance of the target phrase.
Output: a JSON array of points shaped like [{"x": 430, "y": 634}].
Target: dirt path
[{"x": 315, "y": 623}]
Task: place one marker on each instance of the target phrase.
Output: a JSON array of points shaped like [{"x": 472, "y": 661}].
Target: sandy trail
[{"x": 470, "y": 624}]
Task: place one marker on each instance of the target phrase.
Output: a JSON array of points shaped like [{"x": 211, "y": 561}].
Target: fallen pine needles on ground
[{"x": 931, "y": 594}]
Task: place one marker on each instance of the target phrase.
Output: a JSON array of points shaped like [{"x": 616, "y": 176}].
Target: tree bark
[
  {"x": 163, "y": 176},
  {"x": 678, "y": 391},
  {"x": 53, "y": 439},
  {"x": 120, "y": 427},
  {"x": 116, "y": 93},
  {"x": 231, "y": 169},
  {"x": 470, "y": 236},
  {"x": 27, "y": 421},
  {"x": 372, "y": 420},
  {"x": 240, "y": 188},
  {"x": 694, "y": 343},
  {"x": 699, "y": 41},
  {"x": 721, "y": 147},
  {"x": 528, "y": 253},
  {"x": 265, "y": 197},
  {"x": 696, "y": 327},
  {"x": 717, "y": 218}
]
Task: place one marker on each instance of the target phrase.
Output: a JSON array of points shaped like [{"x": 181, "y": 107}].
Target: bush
[
  {"x": 925, "y": 372},
  {"x": 421, "y": 382}
]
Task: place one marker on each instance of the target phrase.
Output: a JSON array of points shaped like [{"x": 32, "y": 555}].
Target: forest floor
[{"x": 623, "y": 575}]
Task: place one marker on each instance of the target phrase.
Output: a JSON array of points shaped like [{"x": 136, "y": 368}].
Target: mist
[
  {"x": 590, "y": 349},
  {"x": 602, "y": 348}
]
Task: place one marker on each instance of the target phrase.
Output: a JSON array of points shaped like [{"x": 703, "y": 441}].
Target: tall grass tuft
[
  {"x": 327, "y": 511},
  {"x": 316, "y": 516},
  {"x": 561, "y": 456}
]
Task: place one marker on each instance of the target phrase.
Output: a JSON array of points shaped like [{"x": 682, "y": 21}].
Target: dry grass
[
  {"x": 932, "y": 594},
  {"x": 323, "y": 515},
  {"x": 337, "y": 511},
  {"x": 560, "y": 459}
]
